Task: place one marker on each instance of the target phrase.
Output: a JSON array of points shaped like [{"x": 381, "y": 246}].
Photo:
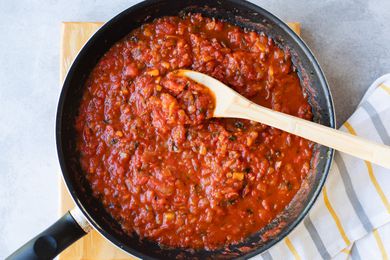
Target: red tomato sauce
[{"x": 159, "y": 165}]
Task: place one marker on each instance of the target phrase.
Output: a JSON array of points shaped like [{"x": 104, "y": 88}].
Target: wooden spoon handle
[{"x": 341, "y": 141}]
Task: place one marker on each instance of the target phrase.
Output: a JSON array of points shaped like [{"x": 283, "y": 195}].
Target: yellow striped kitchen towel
[{"x": 351, "y": 217}]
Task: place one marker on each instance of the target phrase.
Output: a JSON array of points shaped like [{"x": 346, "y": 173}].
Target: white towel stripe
[
  {"x": 266, "y": 256},
  {"x": 353, "y": 198},
  {"x": 377, "y": 122},
  {"x": 316, "y": 238},
  {"x": 355, "y": 253}
]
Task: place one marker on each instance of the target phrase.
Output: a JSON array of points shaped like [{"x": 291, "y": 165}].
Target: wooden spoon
[{"x": 229, "y": 103}]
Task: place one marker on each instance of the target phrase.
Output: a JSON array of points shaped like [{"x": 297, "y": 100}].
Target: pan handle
[{"x": 48, "y": 244}]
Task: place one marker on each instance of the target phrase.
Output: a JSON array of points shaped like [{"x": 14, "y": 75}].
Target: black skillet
[{"x": 89, "y": 212}]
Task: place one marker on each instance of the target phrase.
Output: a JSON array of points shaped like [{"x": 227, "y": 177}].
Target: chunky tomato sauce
[{"x": 160, "y": 166}]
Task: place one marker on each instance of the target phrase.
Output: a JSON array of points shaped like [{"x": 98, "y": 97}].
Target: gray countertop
[{"x": 350, "y": 38}]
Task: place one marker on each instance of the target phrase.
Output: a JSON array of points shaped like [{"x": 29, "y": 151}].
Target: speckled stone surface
[{"x": 351, "y": 40}]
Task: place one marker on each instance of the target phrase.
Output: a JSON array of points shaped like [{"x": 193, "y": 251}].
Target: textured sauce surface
[{"x": 160, "y": 167}]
